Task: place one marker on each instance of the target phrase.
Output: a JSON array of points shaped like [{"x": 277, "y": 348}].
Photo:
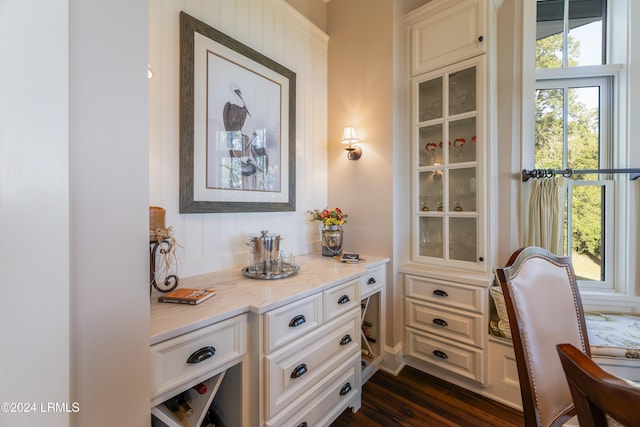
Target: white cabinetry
[
  {"x": 452, "y": 93},
  {"x": 445, "y": 325},
  {"x": 311, "y": 363},
  {"x": 199, "y": 357},
  {"x": 448, "y": 32},
  {"x": 372, "y": 295}
]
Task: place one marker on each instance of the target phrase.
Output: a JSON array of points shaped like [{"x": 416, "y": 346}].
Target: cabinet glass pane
[
  {"x": 431, "y": 237},
  {"x": 462, "y": 190},
  {"x": 463, "y": 239},
  {"x": 430, "y": 148},
  {"x": 430, "y": 100},
  {"x": 462, "y": 134},
  {"x": 431, "y": 191},
  {"x": 462, "y": 91}
]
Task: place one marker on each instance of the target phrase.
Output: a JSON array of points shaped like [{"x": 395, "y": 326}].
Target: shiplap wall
[{"x": 214, "y": 241}]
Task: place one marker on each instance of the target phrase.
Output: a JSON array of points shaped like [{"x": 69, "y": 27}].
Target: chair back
[
  {"x": 544, "y": 308},
  {"x": 598, "y": 394}
]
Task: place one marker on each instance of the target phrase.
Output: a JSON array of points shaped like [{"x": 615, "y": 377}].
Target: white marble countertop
[{"x": 237, "y": 294}]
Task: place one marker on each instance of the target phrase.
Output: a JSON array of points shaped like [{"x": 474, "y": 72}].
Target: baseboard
[{"x": 392, "y": 360}]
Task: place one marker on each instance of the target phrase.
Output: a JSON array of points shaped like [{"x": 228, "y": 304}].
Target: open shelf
[
  {"x": 162, "y": 416},
  {"x": 371, "y": 351}
]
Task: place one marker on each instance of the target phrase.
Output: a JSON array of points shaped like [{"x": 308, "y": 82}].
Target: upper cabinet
[
  {"x": 451, "y": 133},
  {"x": 451, "y": 31}
]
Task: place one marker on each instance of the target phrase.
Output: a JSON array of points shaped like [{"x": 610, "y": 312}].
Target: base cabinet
[
  {"x": 310, "y": 365},
  {"x": 372, "y": 307},
  {"x": 444, "y": 325},
  {"x": 191, "y": 370}
]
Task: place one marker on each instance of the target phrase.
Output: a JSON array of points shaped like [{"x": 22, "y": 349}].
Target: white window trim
[{"x": 626, "y": 296}]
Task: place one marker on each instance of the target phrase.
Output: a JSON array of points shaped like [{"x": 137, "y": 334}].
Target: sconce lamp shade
[
  {"x": 349, "y": 135},
  {"x": 349, "y": 138}
]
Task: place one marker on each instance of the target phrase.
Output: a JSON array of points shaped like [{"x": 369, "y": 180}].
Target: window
[{"x": 574, "y": 117}]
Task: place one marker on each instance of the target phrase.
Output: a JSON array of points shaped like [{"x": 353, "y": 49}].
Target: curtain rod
[{"x": 550, "y": 173}]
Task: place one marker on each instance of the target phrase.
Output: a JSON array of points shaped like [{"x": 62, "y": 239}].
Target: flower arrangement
[{"x": 329, "y": 217}]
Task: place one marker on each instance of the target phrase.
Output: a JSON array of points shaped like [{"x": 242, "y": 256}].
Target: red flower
[{"x": 459, "y": 142}]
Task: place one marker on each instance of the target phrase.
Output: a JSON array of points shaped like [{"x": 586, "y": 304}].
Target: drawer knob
[
  {"x": 297, "y": 321},
  {"x": 343, "y": 299},
  {"x": 299, "y": 371},
  {"x": 371, "y": 281},
  {"x": 440, "y": 322},
  {"x": 201, "y": 355},
  {"x": 345, "y": 389},
  {"x": 440, "y": 354},
  {"x": 303, "y": 424},
  {"x": 440, "y": 293},
  {"x": 345, "y": 340}
]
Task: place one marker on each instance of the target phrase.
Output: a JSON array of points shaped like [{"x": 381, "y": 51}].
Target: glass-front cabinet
[{"x": 447, "y": 164}]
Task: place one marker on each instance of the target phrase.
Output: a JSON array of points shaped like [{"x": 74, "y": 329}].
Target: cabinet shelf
[
  {"x": 371, "y": 352},
  {"x": 200, "y": 404}
]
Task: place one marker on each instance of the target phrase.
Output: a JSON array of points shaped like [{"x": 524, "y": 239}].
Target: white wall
[
  {"x": 34, "y": 209},
  {"x": 109, "y": 157},
  {"x": 214, "y": 241},
  {"x": 73, "y": 209}
]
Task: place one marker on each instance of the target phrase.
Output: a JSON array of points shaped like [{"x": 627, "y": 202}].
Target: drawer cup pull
[
  {"x": 303, "y": 424},
  {"x": 371, "y": 281},
  {"x": 201, "y": 355},
  {"x": 440, "y": 293},
  {"x": 440, "y": 322},
  {"x": 343, "y": 299},
  {"x": 299, "y": 371},
  {"x": 297, "y": 321},
  {"x": 345, "y": 389},
  {"x": 345, "y": 340},
  {"x": 440, "y": 354}
]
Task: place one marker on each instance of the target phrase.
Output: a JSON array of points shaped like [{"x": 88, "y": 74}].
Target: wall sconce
[{"x": 349, "y": 137}]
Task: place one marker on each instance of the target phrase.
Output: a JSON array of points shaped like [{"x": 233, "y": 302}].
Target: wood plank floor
[{"x": 414, "y": 398}]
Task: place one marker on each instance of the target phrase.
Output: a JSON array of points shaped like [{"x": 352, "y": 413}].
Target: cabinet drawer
[
  {"x": 461, "y": 326},
  {"x": 340, "y": 299},
  {"x": 294, "y": 320},
  {"x": 373, "y": 281},
  {"x": 456, "y": 295},
  {"x": 465, "y": 361},
  {"x": 292, "y": 371},
  {"x": 216, "y": 346},
  {"x": 325, "y": 401}
]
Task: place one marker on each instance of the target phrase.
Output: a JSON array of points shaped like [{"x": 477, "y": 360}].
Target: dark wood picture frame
[{"x": 251, "y": 201}]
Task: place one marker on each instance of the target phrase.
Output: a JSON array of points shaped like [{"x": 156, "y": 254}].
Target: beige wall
[
  {"x": 314, "y": 10},
  {"x": 360, "y": 93}
]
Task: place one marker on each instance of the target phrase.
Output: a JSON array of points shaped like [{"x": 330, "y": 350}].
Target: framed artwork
[{"x": 237, "y": 125}]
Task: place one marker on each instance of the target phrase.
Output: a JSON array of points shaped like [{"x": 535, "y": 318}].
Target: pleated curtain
[{"x": 545, "y": 227}]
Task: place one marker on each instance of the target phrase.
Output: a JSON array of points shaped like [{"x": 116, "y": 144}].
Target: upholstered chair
[{"x": 544, "y": 308}]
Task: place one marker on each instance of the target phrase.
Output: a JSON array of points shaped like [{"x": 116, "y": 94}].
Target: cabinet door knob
[
  {"x": 297, "y": 321},
  {"x": 440, "y": 322},
  {"x": 345, "y": 389},
  {"x": 299, "y": 371},
  {"x": 345, "y": 340},
  {"x": 202, "y": 354},
  {"x": 343, "y": 299},
  {"x": 371, "y": 281},
  {"x": 440, "y": 354},
  {"x": 481, "y": 38},
  {"x": 440, "y": 293}
]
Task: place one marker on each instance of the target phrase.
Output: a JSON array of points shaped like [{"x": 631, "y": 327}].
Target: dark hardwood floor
[{"x": 414, "y": 398}]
